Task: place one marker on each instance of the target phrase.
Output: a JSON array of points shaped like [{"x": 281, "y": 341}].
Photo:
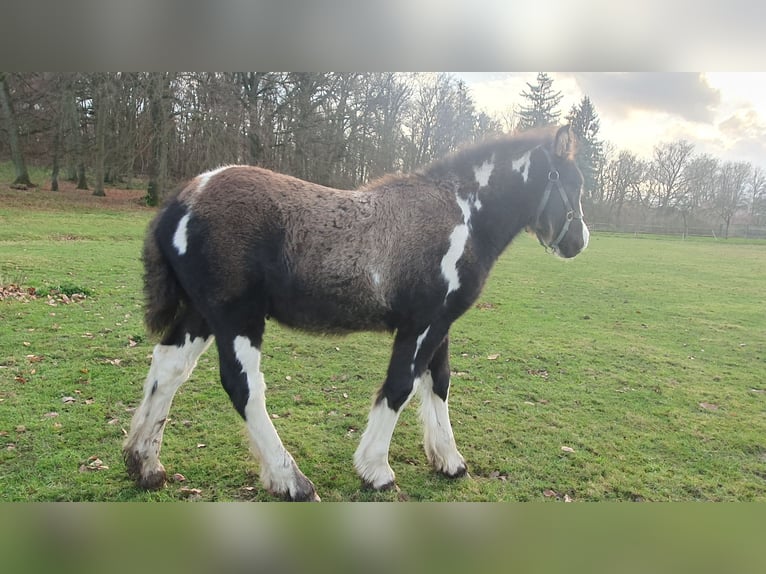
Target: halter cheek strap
[{"x": 554, "y": 180}]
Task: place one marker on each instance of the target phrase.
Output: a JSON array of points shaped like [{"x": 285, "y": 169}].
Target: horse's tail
[{"x": 163, "y": 295}]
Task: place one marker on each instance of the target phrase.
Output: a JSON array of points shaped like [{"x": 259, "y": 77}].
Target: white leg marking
[
  {"x": 371, "y": 457},
  {"x": 483, "y": 172},
  {"x": 180, "y": 237},
  {"x": 279, "y": 473},
  {"x": 457, "y": 241},
  {"x": 418, "y": 344},
  {"x": 522, "y": 165},
  {"x": 438, "y": 439},
  {"x": 171, "y": 367}
]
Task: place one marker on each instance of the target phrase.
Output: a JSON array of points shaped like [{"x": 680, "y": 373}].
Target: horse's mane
[{"x": 520, "y": 142}]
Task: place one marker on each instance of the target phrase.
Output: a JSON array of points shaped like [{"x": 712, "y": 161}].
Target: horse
[{"x": 408, "y": 254}]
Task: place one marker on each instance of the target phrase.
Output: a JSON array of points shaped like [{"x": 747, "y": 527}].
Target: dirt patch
[{"x": 68, "y": 198}]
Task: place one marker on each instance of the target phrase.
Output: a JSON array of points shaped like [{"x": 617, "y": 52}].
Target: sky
[{"x": 723, "y": 114}]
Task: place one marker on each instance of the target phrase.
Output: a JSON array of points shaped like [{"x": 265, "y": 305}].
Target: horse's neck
[{"x": 491, "y": 185}]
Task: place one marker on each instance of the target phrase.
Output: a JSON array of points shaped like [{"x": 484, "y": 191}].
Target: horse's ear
[{"x": 565, "y": 144}]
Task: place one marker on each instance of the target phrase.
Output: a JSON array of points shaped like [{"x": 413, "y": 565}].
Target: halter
[{"x": 555, "y": 180}]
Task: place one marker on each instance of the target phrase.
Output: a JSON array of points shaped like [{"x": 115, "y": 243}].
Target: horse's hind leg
[
  {"x": 173, "y": 361},
  {"x": 438, "y": 439},
  {"x": 240, "y": 358}
]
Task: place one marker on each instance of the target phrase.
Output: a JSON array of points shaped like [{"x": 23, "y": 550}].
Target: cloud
[
  {"x": 745, "y": 136},
  {"x": 686, "y": 95},
  {"x": 744, "y": 124}
]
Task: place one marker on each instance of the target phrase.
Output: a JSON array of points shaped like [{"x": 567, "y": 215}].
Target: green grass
[{"x": 645, "y": 356}]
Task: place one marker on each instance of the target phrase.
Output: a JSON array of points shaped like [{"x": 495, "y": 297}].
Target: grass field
[{"x": 645, "y": 358}]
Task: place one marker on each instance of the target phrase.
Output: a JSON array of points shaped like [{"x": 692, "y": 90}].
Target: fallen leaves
[
  {"x": 549, "y": 493},
  {"x": 53, "y": 297},
  {"x": 190, "y": 493},
  {"x": 93, "y": 464},
  {"x": 17, "y": 293}
]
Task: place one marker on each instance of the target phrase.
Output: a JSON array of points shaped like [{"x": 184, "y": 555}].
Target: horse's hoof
[
  {"x": 304, "y": 497},
  {"x": 154, "y": 480},
  {"x": 387, "y": 487},
  {"x": 459, "y": 473},
  {"x": 151, "y": 481}
]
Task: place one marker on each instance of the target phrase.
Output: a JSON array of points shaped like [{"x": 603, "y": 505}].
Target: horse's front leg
[
  {"x": 411, "y": 354},
  {"x": 438, "y": 439}
]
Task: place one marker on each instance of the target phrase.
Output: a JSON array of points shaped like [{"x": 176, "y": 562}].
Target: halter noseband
[{"x": 554, "y": 179}]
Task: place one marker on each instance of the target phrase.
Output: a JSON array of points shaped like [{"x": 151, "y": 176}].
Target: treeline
[
  {"x": 337, "y": 129},
  {"x": 681, "y": 186}
]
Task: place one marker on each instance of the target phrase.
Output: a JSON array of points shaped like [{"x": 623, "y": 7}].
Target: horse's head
[{"x": 558, "y": 222}]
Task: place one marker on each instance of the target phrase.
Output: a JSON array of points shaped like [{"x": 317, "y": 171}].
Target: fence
[{"x": 717, "y": 232}]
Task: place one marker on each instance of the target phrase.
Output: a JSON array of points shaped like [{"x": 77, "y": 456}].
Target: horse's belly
[{"x": 329, "y": 314}]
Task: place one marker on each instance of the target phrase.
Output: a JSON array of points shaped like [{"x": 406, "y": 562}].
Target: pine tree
[
  {"x": 543, "y": 103},
  {"x": 585, "y": 123}
]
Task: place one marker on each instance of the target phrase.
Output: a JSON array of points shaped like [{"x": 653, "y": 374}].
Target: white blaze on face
[
  {"x": 522, "y": 166},
  {"x": 483, "y": 172},
  {"x": 180, "y": 237}
]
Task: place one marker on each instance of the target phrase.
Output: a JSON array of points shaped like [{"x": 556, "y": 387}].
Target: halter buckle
[{"x": 553, "y": 175}]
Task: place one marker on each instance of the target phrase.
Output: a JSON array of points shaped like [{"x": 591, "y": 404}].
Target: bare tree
[
  {"x": 159, "y": 98},
  {"x": 100, "y": 105},
  {"x": 624, "y": 178},
  {"x": 758, "y": 195},
  {"x": 17, "y": 156},
  {"x": 698, "y": 187},
  {"x": 670, "y": 159},
  {"x": 730, "y": 191}
]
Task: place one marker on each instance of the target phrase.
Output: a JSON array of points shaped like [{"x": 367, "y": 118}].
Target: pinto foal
[{"x": 408, "y": 254}]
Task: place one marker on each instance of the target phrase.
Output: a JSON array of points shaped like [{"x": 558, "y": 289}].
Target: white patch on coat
[
  {"x": 465, "y": 208},
  {"x": 181, "y": 236},
  {"x": 457, "y": 241},
  {"x": 438, "y": 439},
  {"x": 522, "y": 165},
  {"x": 483, "y": 172},
  {"x": 371, "y": 456},
  {"x": 279, "y": 473},
  {"x": 204, "y": 178}
]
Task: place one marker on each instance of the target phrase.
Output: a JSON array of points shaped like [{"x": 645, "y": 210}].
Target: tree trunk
[
  {"x": 22, "y": 175},
  {"x": 56, "y": 154},
  {"x": 158, "y": 85},
  {"x": 101, "y": 115}
]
